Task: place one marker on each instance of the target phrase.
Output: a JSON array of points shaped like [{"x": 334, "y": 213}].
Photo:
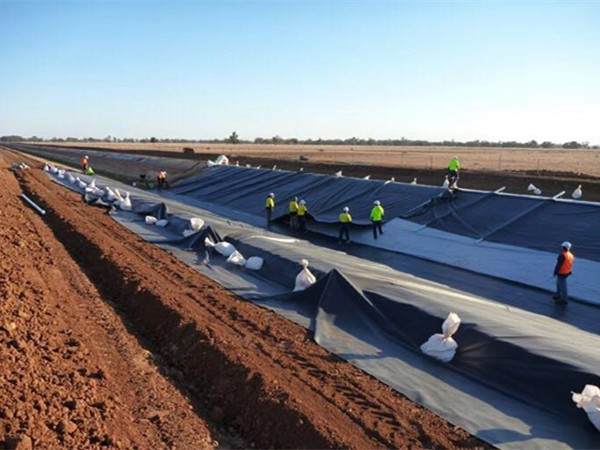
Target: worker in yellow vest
[
  {"x": 270, "y": 206},
  {"x": 345, "y": 220},
  {"x": 293, "y": 208},
  {"x": 562, "y": 270},
  {"x": 453, "y": 168},
  {"x": 302, "y": 212},
  {"x": 377, "y": 217}
]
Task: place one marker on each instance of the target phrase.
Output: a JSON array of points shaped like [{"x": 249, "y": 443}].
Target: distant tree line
[{"x": 235, "y": 139}]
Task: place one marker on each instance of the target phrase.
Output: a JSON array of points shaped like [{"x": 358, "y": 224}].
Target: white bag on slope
[
  {"x": 151, "y": 220},
  {"x": 222, "y": 160},
  {"x": 305, "y": 278},
  {"x": 224, "y": 248},
  {"x": 196, "y": 223},
  {"x": 126, "y": 204},
  {"x": 254, "y": 263},
  {"x": 589, "y": 401},
  {"x": 442, "y": 346},
  {"x": 237, "y": 258},
  {"x": 70, "y": 178}
]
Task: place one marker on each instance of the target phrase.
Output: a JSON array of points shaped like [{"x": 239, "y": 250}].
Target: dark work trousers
[
  {"x": 302, "y": 223},
  {"x": 269, "y": 215},
  {"x": 344, "y": 231},
  {"x": 561, "y": 288},
  {"x": 452, "y": 177},
  {"x": 376, "y": 227},
  {"x": 293, "y": 221}
]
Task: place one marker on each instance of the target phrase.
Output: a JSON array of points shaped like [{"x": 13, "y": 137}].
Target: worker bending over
[
  {"x": 302, "y": 211},
  {"x": 453, "y": 168},
  {"x": 161, "y": 179},
  {"x": 377, "y": 217},
  {"x": 84, "y": 163},
  {"x": 562, "y": 270},
  {"x": 345, "y": 220},
  {"x": 294, "y": 214},
  {"x": 270, "y": 206}
]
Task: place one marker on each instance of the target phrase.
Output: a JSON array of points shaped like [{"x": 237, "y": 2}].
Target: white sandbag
[
  {"x": 80, "y": 183},
  {"x": 92, "y": 184},
  {"x": 110, "y": 195},
  {"x": 225, "y": 248},
  {"x": 577, "y": 193},
  {"x": 61, "y": 174},
  {"x": 589, "y": 401},
  {"x": 442, "y": 346},
  {"x": 210, "y": 163},
  {"x": 70, "y": 178},
  {"x": 537, "y": 191},
  {"x": 162, "y": 223},
  {"x": 53, "y": 169},
  {"x": 254, "y": 263},
  {"x": 126, "y": 203},
  {"x": 531, "y": 187},
  {"x": 446, "y": 183},
  {"x": 46, "y": 168},
  {"x": 222, "y": 160},
  {"x": 196, "y": 223},
  {"x": 305, "y": 278},
  {"x": 150, "y": 220},
  {"x": 237, "y": 258},
  {"x": 118, "y": 195},
  {"x": 338, "y": 174}
]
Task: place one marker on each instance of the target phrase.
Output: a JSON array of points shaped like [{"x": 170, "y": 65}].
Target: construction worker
[
  {"x": 161, "y": 179},
  {"x": 345, "y": 220},
  {"x": 453, "y": 168},
  {"x": 377, "y": 217},
  {"x": 562, "y": 270},
  {"x": 302, "y": 211},
  {"x": 294, "y": 213},
  {"x": 89, "y": 171},
  {"x": 270, "y": 206},
  {"x": 85, "y": 163}
]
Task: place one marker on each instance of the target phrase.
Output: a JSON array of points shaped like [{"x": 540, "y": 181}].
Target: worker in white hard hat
[
  {"x": 345, "y": 220},
  {"x": 562, "y": 270},
  {"x": 377, "y": 218},
  {"x": 270, "y": 206},
  {"x": 85, "y": 163}
]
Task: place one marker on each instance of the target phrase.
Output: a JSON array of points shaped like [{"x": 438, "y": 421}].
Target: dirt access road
[{"x": 106, "y": 340}]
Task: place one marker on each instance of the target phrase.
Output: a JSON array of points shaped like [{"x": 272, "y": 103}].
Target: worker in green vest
[
  {"x": 270, "y": 206},
  {"x": 293, "y": 208},
  {"x": 345, "y": 220},
  {"x": 377, "y": 217},
  {"x": 453, "y": 168},
  {"x": 302, "y": 212}
]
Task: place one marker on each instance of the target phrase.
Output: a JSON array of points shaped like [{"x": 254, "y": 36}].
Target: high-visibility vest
[
  {"x": 345, "y": 217},
  {"x": 293, "y": 206},
  {"x": 377, "y": 213},
  {"x": 84, "y": 161},
  {"x": 567, "y": 265},
  {"x": 454, "y": 164},
  {"x": 270, "y": 204},
  {"x": 302, "y": 210}
]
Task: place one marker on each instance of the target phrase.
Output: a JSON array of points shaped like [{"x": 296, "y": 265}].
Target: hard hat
[
  {"x": 295, "y": 199},
  {"x": 302, "y": 202},
  {"x": 86, "y": 156},
  {"x": 346, "y": 209},
  {"x": 377, "y": 202},
  {"x": 566, "y": 245},
  {"x": 271, "y": 195}
]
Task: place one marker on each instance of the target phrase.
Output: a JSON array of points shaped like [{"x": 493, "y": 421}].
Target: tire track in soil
[{"x": 295, "y": 393}]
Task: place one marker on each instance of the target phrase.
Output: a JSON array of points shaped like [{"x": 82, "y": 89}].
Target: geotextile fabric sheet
[{"x": 510, "y": 381}]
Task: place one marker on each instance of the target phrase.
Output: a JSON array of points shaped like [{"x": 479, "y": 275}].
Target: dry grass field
[{"x": 580, "y": 161}]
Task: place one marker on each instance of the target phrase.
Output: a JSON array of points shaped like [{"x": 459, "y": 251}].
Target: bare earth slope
[{"x": 115, "y": 342}]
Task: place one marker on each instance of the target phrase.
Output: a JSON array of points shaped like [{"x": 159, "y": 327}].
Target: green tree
[{"x": 233, "y": 138}]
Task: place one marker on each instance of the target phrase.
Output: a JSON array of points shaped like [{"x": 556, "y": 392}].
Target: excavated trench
[{"x": 247, "y": 371}]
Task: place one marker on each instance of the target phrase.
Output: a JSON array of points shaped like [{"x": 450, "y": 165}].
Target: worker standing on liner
[
  {"x": 84, "y": 163},
  {"x": 453, "y": 168},
  {"x": 161, "y": 179},
  {"x": 377, "y": 217},
  {"x": 270, "y": 206},
  {"x": 294, "y": 214},
  {"x": 302, "y": 211},
  {"x": 562, "y": 270},
  {"x": 345, "y": 220}
]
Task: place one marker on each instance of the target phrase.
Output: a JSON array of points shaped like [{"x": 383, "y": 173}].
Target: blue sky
[{"x": 504, "y": 70}]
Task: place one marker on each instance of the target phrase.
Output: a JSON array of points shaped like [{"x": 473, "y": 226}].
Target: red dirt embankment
[{"x": 218, "y": 367}]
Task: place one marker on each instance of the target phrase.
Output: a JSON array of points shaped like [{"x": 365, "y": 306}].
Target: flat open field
[
  {"x": 109, "y": 341},
  {"x": 580, "y": 161}
]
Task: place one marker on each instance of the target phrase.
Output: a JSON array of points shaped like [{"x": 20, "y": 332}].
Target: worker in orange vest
[
  {"x": 84, "y": 163},
  {"x": 161, "y": 179},
  {"x": 564, "y": 265}
]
